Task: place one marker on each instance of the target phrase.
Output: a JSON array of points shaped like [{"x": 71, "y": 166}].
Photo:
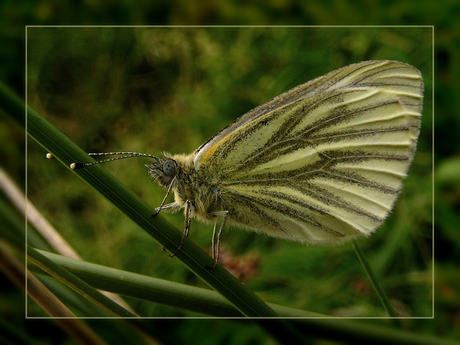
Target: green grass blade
[
  {"x": 164, "y": 233},
  {"x": 159, "y": 291},
  {"x": 375, "y": 282},
  {"x": 75, "y": 283}
]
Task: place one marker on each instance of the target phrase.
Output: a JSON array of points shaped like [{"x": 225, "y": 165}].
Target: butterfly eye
[{"x": 169, "y": 167}]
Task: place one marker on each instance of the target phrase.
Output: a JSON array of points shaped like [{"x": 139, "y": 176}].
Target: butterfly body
[{"x": 191, "y": 185}]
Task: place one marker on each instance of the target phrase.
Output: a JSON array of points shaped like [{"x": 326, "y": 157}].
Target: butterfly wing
[{"x": 323, "y": 161}]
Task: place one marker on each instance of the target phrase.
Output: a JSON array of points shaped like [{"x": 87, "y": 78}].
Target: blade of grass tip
[
  {"x": 77, "y": 284},
  {"x": 376, "y": 284}
]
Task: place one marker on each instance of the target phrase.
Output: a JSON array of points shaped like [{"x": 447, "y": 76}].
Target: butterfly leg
[
  {"x": 188, "y": 211},
  {"x": 216, "y": 244},
  {"x": 173, "y": 207},
  {"x": 213, "y": 241},
  {"x": 162, "y": 207}
]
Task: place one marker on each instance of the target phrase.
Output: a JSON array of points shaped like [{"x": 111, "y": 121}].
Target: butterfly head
[{"x": 163, "y": 170}]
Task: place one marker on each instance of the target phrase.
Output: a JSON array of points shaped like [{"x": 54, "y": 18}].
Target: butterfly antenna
[{"x": 75, "y": 166}]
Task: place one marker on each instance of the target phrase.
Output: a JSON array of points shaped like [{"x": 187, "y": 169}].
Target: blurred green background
[{"x": 170, "y": 89}]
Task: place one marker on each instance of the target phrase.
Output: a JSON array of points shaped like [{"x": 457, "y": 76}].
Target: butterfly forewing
[{"x": 323, "y": 161}]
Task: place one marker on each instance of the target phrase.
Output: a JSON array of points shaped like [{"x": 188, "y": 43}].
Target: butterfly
[{"x": 321, "y": 163}]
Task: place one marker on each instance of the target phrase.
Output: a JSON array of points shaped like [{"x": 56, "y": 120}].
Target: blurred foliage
[{"x": 156, "y": 89}]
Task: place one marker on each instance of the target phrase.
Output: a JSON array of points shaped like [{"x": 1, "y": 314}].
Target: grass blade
[
  {"x": 164, "y": 233},
  {"x": 375, "y": 282},
  {"x": 77, "y": 284}
]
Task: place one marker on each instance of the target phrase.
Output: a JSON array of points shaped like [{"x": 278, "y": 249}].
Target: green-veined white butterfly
[{"x": 320, "y": 163}]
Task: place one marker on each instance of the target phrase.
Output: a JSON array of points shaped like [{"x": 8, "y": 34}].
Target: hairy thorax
[{"x": 203, "y": 193}]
